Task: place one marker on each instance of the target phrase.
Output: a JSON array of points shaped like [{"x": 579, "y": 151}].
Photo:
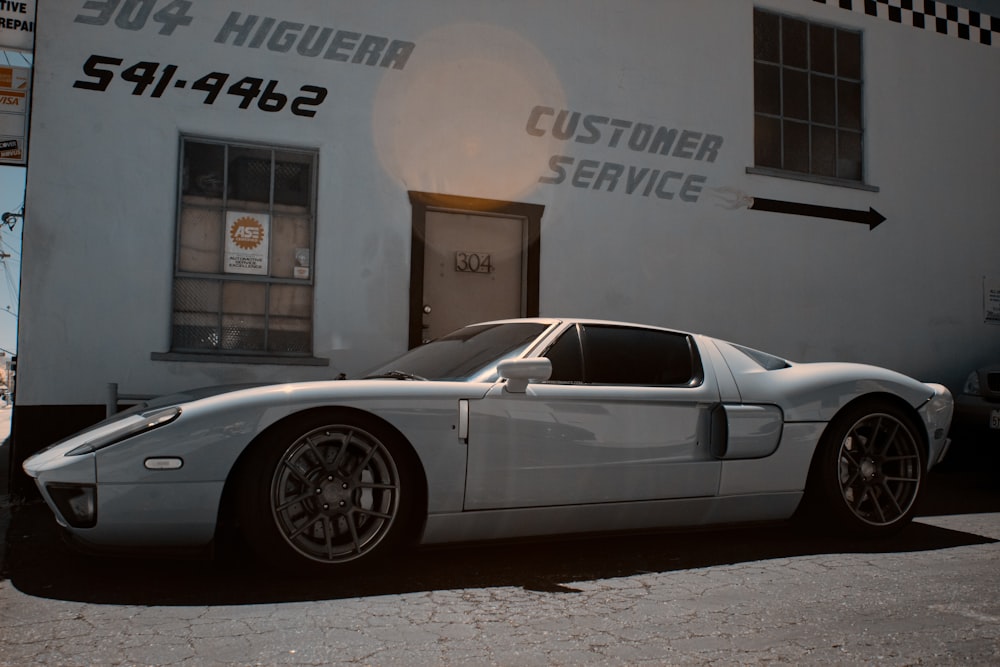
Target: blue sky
[{"x": 11, "y": 200}]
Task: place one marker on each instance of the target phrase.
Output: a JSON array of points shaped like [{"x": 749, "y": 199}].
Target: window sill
[
  {"x": 259, "y": 359},
  {"x": 810, "y": 178}
]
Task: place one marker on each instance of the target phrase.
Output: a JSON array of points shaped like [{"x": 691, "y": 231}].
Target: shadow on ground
[{"x": 39, "y": 564}]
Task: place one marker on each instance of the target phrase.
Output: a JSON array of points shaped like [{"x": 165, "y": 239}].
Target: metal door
[
  {"x": 567, "y": 445},
  {"x": 474, "y": 269}
]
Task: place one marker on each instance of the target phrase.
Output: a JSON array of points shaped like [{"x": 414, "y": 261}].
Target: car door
[{"x": 625, "y": 416}]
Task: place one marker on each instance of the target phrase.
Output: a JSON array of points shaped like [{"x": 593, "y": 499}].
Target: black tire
[
  {"x": 330, "y": 491},
  {"x": 868, "y": 471}
]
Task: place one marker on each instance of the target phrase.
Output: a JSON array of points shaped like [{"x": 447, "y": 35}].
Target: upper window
[
  {"x": 807, "y": 97},
  {"x": 601, "y": 354},
  {"x": 245, "y": 233}
]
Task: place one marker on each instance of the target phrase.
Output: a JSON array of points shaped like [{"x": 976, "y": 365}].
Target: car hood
[{"x": 198, "y": 393}]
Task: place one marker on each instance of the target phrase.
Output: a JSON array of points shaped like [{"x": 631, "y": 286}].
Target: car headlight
[
  {"x": 126, "y": 428},
  {"x": 938, "y": 411},
  {"x": 972, "y": 384},
  {"x": 76, "y": 502}
]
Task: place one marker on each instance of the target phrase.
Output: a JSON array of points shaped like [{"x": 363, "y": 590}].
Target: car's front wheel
[
  {"x": 868, "y": 470},
  {"x": 329, "y": 491}
]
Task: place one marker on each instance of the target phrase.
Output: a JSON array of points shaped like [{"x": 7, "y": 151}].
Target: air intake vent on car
[{"x": 993, "y": 381}]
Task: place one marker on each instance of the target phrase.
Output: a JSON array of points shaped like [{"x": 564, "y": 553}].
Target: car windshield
[{"x": 470, "y": 354}]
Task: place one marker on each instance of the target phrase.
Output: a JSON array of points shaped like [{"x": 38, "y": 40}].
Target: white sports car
[{"x": 505, "y": 429}]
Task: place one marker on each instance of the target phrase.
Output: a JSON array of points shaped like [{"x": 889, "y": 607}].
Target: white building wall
[{"x": 101, "y": 204}]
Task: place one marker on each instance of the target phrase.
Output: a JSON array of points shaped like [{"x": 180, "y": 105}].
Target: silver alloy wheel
[
  {"x": 879, "y": 469},
  {"x": 335, "y": 494}
]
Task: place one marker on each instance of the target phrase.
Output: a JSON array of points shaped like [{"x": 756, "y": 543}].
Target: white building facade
[{"x": 223, "y": 192}]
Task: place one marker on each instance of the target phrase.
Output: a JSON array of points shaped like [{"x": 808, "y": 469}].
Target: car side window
[
  {"x": 627, "y": 355},
  {"x": 566, "y": 356}
]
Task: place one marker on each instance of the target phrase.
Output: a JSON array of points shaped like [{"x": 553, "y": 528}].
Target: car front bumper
[{"x": 937, "y": 414}]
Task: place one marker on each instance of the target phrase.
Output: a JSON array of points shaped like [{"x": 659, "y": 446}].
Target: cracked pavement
[{"x": 753, "y": 595}]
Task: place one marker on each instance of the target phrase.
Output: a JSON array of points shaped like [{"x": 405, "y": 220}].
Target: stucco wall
[{"x": 456, "y": 117}]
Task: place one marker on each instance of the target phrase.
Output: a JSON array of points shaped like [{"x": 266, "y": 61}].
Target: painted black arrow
[{"x": 871, "y": 217}]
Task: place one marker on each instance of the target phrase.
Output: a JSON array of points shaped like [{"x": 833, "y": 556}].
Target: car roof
[{"x": 580, "y": 320}]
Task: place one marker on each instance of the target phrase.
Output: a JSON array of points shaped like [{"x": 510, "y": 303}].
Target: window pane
[
  {"x": 621, "y": 355},
  {"x": 242, "y": 333},
  {"x": 824, "y": 151},
  {"x": 290, "y": 324},
  {"x": 202, "y": 296},
  {"x": 767, "y": 142},
  {"x": 292, "y": 179},
  {"x": 204, "y": 169},
  {"x": 243, "y": 298},
  {"x": 767, "y": 88},
  {"x": 848, "y": 54},
  {"x": 795, "y": 156},
  {"x": 793, "y": 43},
  {"x": 250, "y": 175},
  {"x": 765, "y": 36},
  {"x": 824, "y": 102},
  {"x": 292, "y": 300},
  {"x": 192, "y": 331},
  {"x": 795, "y": 94},
  {"x": 200, "y": 248},
  {"x": 821, "y": 49},
  {"x": 849, "y": 105},
  {"x": 285, "y": 334},
  {"x": 849, "y": 155},
  {"x": 243, "y": 316},
  {"x": 290, "y": 246},
  {"x": 196, "y": 314},
  {"x": 566, "y": 358}
]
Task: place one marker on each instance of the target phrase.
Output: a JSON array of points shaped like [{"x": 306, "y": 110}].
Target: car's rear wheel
[
  {"x": 329, "y": 491},
  {"x": 868, "y": 471}
]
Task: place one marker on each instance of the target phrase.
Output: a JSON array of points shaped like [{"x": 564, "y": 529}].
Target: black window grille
[
  {"x": 260, "y": 303},
  {"x": 807, "y": 97}
]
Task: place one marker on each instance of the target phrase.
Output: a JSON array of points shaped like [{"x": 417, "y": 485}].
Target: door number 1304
[{"x": 473, "y": 262}]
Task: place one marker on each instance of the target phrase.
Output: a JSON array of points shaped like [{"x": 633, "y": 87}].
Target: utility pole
[{"x": 9, "y": 358}]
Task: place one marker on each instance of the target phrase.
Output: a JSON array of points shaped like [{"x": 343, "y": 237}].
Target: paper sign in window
[{"x": 247, "y": 236}]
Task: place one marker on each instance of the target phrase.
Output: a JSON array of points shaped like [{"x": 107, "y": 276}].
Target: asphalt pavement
[{"x": 751, "y": 595}]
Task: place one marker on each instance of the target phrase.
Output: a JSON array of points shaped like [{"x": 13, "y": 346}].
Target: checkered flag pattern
[{"x": 932, "y": 15}]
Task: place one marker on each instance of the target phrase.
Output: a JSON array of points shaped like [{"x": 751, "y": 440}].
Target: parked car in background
[
  {"x": 977, "y": 407},
  {"x": 506, "y": 429}
]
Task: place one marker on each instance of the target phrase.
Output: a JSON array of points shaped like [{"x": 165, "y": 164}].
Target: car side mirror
[{"x": 520, "y": 372}]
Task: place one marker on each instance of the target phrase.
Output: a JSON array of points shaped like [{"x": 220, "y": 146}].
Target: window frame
[
  {"x": 809, "y": 124},
  {"x": 274, "y": 210}
]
